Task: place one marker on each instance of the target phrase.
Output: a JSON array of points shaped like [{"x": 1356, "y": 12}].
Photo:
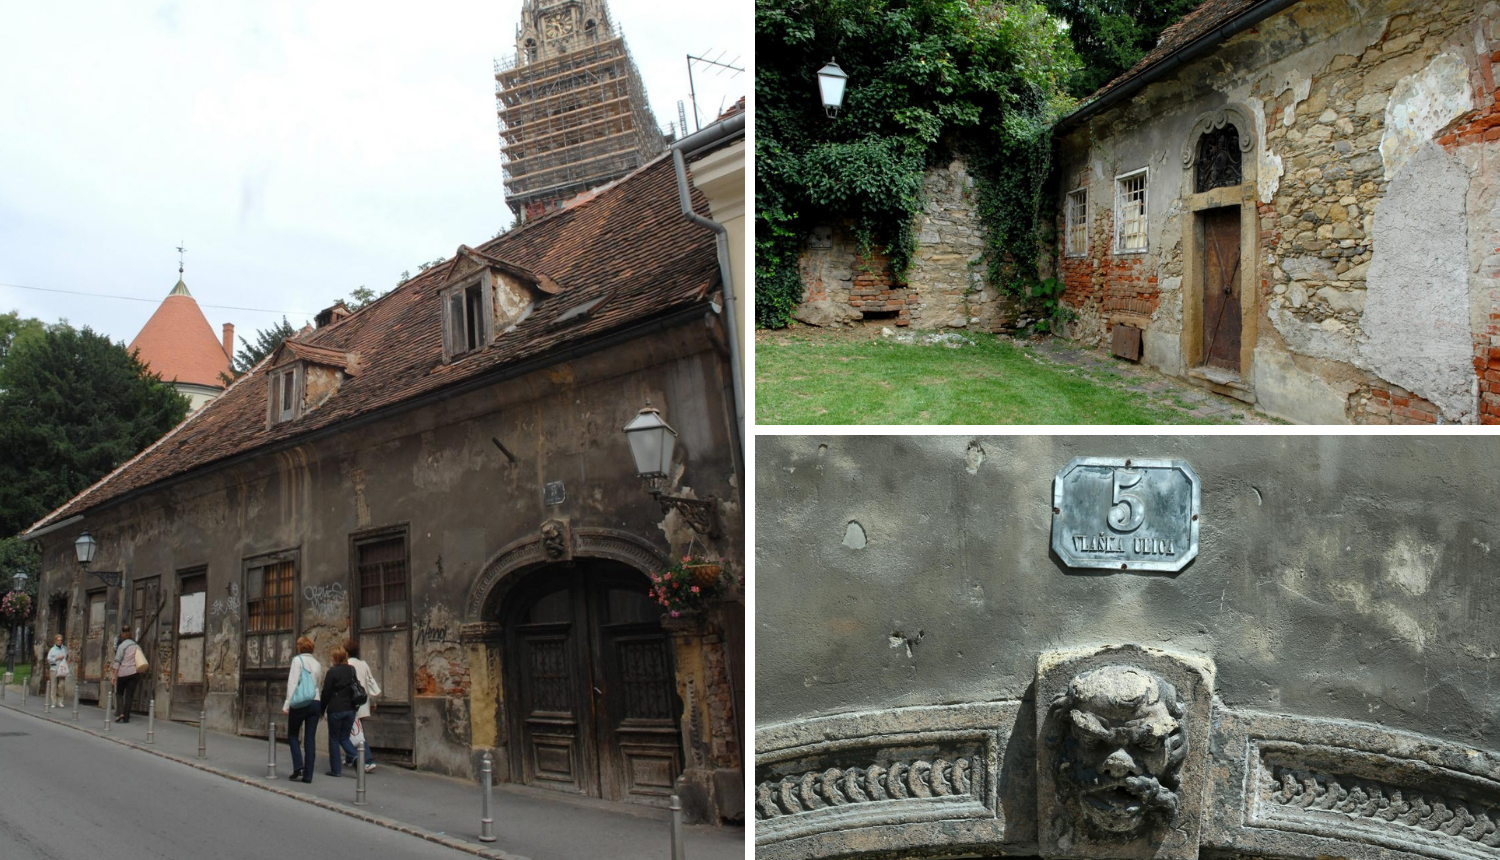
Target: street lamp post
[
  {"x": 17, "y": 584},
  {"x": 652, "y": 441},
  {"x": 831, "y": 81}
]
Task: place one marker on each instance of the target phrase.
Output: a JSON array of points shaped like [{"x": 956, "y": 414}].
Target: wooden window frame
[
  {"x": 276, "y": 411},
  {"x": 260, "y": 562},
  {"x": 369, "y": 536},
  {"x": 1071, "y": 223},
  {"x": 1120, "y": 192},
  {"x": 456, "y": 316}
]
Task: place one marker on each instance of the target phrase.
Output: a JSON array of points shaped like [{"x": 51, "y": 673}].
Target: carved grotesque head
[
  {"x": 1121, "y": 745},
  {"x": 554, "y": 540}
]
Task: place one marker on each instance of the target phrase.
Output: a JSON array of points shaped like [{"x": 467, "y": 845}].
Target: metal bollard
[
  {"x": 25, "y": 688},
  {"x": 51, "y": 693},
  {"x": 487, "y": 818},
  {"x": 109, "y": 707},
  {"x": 271, "y": 750},
  {"x": 677, "y": 846},
  {"x": 75, "y": 701},
  {"x": 151, "y": 721},
  {"x": 203, "y": 734},
  {"x": 359, "y": 773}
]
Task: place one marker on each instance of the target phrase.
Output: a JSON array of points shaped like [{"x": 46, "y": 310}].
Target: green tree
[
  {"x": 73, "y": 407},
  {"x": 1110, "y": 36},
  {"x": 926, "y": 78},
  {"x": 266, "y": 341},
  {"x": 19, "y": 556},
  {"x": 13, "y": 328}
]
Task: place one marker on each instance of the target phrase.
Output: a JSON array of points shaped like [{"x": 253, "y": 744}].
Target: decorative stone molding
[
  {"x": 534, "y": 549},
  {"x": 1213, "y": 120},
  {"x": 1122, "y": 742},
  {"x": 1295, "y": 787},
  {"x": 905, "y": 779}
]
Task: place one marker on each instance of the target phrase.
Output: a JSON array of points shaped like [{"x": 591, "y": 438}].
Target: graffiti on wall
[
  {"x": 327, "y": 603},
  {"x": 229, "y": 605}
]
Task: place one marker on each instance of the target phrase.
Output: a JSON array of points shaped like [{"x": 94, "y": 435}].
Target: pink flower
[
  {"x": 675, "y": 613},
  {"x": 695, "y": 589}
]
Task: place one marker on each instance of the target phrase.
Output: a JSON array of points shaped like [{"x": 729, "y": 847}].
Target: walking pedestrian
[
  {"x": 126, "y": 673},
  {"x": 57, "y": 658},
  {"x": 338, "y": 700},
  {"x": 303, "y": 709},
  {"x": 372, "y": 689}
]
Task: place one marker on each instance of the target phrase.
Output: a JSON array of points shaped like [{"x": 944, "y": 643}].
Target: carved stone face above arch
[
  {"x": 1212, "y": 121},
  {"x": 553, "y": 542}
]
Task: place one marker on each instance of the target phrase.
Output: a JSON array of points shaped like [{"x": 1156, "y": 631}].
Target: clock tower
[{"x": 572, "y": 109}]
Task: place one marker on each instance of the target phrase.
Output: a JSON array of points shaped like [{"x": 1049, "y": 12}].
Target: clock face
[{"x": 556, "y": 28}]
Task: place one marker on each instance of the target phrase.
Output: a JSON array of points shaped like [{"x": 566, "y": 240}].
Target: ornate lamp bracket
[
  {"x": 701, "y": 514},
  {"x": 108, "y": 577}
]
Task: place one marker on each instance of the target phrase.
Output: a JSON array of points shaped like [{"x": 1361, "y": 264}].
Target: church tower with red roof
[{"x": 179, "y": 344}]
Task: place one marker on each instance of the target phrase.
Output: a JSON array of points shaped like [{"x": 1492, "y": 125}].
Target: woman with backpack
[
  {"x": 302, "y": 708},
  {"x": 338, "y": 700},
  {"x": 372, "y": 689}
]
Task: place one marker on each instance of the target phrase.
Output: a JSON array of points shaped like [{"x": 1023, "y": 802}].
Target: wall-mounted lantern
[
  {"x": 831, "y": 80},
  {"x": 86, "y": 546},
  {"x": 652, "y": 441}
]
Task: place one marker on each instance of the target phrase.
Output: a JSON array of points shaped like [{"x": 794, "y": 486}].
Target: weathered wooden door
[
  {"x": 595, "y": 703},
  {"x": 270, "y": 614},
  {"x": 146, "y": 604},
  {"x": 93, "y": 643},
  {"x": 187, "y": 675},
  {"x": 1221, "y": 288},
  {"x": 383, "y": 624}
]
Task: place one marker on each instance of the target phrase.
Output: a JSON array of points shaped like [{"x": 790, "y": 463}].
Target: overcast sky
[{"x": 299, "y": 149}]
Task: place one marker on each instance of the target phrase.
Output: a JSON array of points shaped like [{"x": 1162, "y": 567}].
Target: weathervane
[{"x": 180, "y": 249}]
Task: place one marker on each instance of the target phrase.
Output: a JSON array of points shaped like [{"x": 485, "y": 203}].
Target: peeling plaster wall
[
  {"x": 1342, "y": 97},
  {"x": 1342, "y": 577},
  {"x": 438, "y": 474}
]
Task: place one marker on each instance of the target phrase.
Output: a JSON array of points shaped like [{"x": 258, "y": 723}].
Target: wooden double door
[
  {"x": 592, "y": 691},
  {"x": 1221, "y": 288}
]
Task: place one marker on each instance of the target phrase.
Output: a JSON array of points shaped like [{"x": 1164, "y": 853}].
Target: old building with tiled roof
[
  {"x": 1293, "y": 204},
  {"x": 178, "y": 344},
  {"x": 444, "y": 477}
]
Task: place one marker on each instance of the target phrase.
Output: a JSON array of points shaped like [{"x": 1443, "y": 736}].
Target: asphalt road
[{"x": 66, "y": 795}]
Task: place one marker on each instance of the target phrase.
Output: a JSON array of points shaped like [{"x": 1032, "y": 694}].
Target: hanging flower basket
[
  {"x": 15, "y": 607},
  {"x": 688, "y": 585}
]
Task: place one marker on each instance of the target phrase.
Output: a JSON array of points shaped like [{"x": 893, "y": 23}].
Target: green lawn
[{"x": 823, "y": 380}]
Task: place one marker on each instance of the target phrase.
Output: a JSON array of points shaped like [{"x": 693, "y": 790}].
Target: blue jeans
[
  {"x": 306, "y": 719},
  {"x": 340, "y": 723}
]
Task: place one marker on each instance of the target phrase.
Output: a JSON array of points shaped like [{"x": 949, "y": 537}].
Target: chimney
[{"x": 229, "y": 340}]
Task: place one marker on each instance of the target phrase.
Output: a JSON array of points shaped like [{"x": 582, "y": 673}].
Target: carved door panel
[
  {"x": 1221, "y": 288},
  {"x": 641, "y": 752},
  {"x": 557, "y": 704},
  {"x": 145, "y": 619},
  {"x": 598, "y": 707},
  {"x": 188, "y": 671}
]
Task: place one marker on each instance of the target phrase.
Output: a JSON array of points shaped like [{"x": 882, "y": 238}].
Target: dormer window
[
  {"x": 286, "y": 393},
  {"x": 467, "y": 318}
]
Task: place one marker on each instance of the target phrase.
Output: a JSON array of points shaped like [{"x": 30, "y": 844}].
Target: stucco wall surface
[{"x": 1338, "y": 577}]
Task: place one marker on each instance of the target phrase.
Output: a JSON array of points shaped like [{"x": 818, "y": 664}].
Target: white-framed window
[
  {"x": 1130, "y": 212},
  {"x": 1078, "y": 222},
  {"x": 286, "y": 393},
  {"x": 468, "y": 318}
]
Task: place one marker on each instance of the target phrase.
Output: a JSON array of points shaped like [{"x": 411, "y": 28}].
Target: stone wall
[
  {"x": 946, "y": 284},
  {"x": 1376, "y": 217}
]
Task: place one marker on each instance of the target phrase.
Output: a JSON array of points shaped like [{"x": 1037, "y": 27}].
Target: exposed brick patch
[{"x": 875, "y": 290}]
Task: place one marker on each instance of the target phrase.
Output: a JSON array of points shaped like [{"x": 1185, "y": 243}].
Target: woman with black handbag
[{"x": 339, "y": 690}]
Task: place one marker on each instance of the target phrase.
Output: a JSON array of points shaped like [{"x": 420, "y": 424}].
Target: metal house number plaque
[{"x": 1117, "y": 514}]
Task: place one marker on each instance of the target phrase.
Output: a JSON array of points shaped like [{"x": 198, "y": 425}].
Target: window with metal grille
[
  {"x": 1078, "y": 222},
  {"x": 268, "y": 601},
  {"x": 382, "y": 582},
  {"x": 1130, "y": 212}
]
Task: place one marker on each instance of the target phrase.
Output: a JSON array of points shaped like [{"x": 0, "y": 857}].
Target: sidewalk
[{"x": 529, "y": 823}]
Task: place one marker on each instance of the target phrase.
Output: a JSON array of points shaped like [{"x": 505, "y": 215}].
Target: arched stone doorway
[{"x": 590, "y": 692}]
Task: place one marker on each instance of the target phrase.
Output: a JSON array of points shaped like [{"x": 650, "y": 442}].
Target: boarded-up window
[
  {"x": 188, "y": 677},
  {"x": 270, "y": 632},
  {"x": 384, "y": 628},
  {"x": 1130, "y": 194},
  {"x": 93, "y": 642}
]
